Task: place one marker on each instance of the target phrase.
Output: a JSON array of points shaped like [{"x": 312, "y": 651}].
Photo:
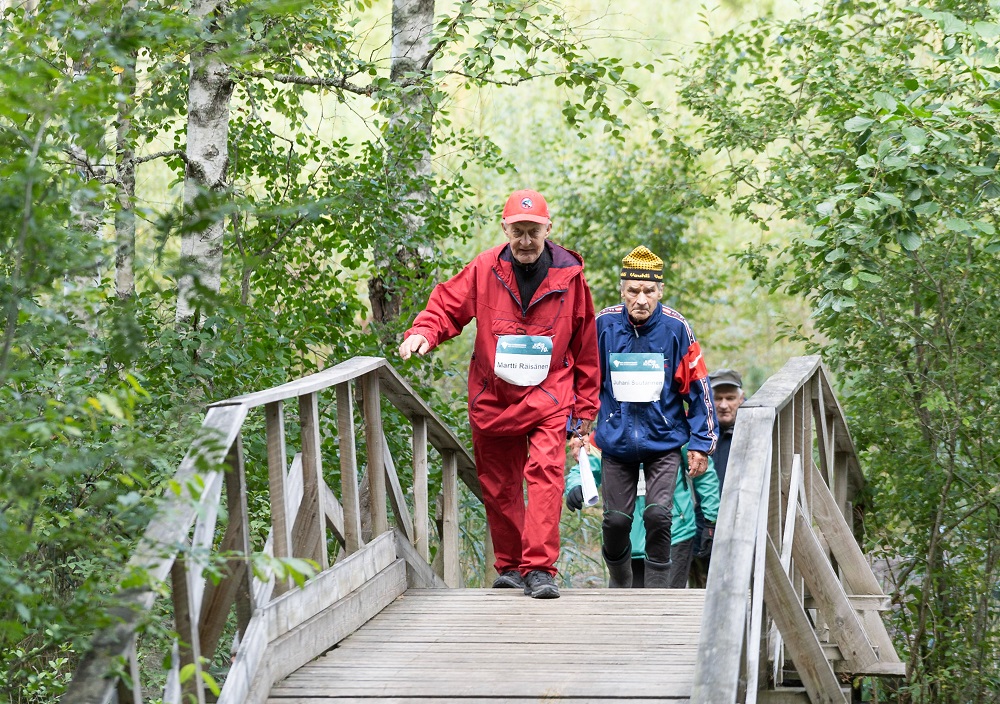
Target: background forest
[{"x": 202, "y": 198}]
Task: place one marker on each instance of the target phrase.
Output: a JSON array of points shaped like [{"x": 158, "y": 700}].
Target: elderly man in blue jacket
[{"x": 655, "y": 398}]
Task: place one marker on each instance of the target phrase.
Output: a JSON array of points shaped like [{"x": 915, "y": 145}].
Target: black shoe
[
  {"x": 540, "y": 585},
  {"x": 511, "y": 579}
]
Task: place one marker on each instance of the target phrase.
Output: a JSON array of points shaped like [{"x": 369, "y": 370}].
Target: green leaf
[
  {"x": 210, "y": 682},
  {"x": 889, "y": 199},
  {"x": 850, "y": 283},
  {"x": 826, "y": 208},
  {"x": 867, "y": 204},
  {"x": 987, "y": 30},
  {"x": 909, "y": 241},
  {"x": 915, "y": 135},
  {"x": 926, "y": 208},
  {"x": 858, "y": 124},
  {"x": 984, "y": 227},
  {"x": 957, "y": 225},
  {"x": 885, "y": 101},
  {"x": 980, "y": 170},
  {"x": 869, "y": 277},
  {"x": 865, "y": 162}
]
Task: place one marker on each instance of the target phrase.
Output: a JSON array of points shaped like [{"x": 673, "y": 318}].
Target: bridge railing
[
  {"x": 306, "y": 518},
  {"x": 788, "y": 579}
]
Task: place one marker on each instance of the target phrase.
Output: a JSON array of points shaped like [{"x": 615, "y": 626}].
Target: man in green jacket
[{"x": 682, "y": 535}]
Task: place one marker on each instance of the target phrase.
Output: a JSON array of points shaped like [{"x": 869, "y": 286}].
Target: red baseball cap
[{"x": 526, "y": 205}]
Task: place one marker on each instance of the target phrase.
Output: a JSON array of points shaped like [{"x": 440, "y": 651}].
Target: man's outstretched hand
[{"x": 414, "y": 344}]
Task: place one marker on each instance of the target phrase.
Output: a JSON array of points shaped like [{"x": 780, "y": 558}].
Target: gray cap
[{"x": 726, "y": 377}]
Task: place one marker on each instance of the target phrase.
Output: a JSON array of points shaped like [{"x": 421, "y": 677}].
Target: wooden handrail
[
  {"x": 303, "y": 507},
  {"x": 783, "y": 521}
]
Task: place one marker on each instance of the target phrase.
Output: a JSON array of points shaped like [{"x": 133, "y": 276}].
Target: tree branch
[
  {"x": 160, "y": 155},
  {"x": 340, "y": 83}
]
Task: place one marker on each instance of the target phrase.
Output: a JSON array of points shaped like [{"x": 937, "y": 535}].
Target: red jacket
[{"x": 561, "y": 309}]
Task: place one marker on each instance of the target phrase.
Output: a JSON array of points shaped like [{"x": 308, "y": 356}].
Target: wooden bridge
[{"x": 790, "y": 613}]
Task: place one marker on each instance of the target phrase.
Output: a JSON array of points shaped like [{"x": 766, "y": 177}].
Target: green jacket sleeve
[{"x": 707, "y": 488}]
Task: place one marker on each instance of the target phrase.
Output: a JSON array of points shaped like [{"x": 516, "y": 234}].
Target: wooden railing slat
[
  {"x": 420, "y": 483},
  {"x": 186, "y": 623},
  {"x": 396, "y": 496},
  {"x": 276, "y": 479},
  {"x": 450, "y": 539},
  {"x": 401, "y": 395},
  {"x": 801, "y": 642},
  {"x": 754, "y": 645},
  {"x": 131, "y": 692},
  {"x": 334, "y": 513},
  {"x": 827, "y": 590},
  {"x": 204, "y": 535},
  {"x": 310, "y": 533},
  {"x": 717, "y": 666},
  {"x": 348, "y": 468},
  {"x": 857, "y": 574},
  {"x": 843, "y": 440},
  {"x": 235, "y": 585},
  {"x": 345, "y": 371},
  {"x": 375, "y": 445},
  {"x": 779, "y": 390}
]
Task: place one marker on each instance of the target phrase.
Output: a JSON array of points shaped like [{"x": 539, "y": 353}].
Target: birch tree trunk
[
  {"x": 410, "y": 136},
  {"x": 209, "y": 93},
  {"x": 125, "y": 158}
]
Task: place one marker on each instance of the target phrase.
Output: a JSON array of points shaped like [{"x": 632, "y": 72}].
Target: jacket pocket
[
  {"x": 546, "y": 392},
  {"x": 472, "y": 404}
]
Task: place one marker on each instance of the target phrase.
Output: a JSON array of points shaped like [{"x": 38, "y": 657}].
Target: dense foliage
[{"x": 874, "y": 127}]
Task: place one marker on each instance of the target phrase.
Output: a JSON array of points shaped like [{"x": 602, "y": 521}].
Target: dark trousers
[
  {"x": 699, "y": 571},
  {"x": 680, "y": 563},
  {"x": 619, "y": 481}
]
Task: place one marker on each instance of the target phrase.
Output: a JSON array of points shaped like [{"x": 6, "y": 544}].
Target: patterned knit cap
[{"x": 642, "y": 265}]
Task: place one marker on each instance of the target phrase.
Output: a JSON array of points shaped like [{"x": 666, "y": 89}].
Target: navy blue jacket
[{"x": 633, "y": 432}]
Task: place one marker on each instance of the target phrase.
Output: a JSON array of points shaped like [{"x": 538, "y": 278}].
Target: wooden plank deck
[{"x": 491, "y": 645}]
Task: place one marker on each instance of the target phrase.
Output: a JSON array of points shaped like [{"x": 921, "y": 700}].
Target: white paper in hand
[{"x": 587, "y": 482}]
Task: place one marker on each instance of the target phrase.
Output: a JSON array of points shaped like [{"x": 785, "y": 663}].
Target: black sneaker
[
  {"x": 511, "y": 579},
  {"x": 540, "y": 585}
]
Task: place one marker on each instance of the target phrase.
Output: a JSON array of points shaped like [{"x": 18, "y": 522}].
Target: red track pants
[{"x": 525, "y": 537}]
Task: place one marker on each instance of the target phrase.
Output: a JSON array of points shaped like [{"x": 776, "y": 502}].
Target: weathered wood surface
[
  {"x": 778, "y": 498},
  {"x": 154, "y": 556},
  {"x": 419, "y": 573},
  {"x": 719, "y": 656},
  {"x": 401, "y": 395},
  {"x": 498, "y": 645},
  {"x": 301, "y": 624},
  {"x": 345, "y": 371},
  {"x": 780, "y": 388},
  {"x": 817, "y": 674}
]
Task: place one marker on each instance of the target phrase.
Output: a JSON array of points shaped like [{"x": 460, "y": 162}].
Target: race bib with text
[
  {"x": 523, "y": 360},
  {"x": 637, "y": 377}
]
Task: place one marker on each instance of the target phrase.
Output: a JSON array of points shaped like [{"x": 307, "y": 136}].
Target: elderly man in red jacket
[{"x": 534, "y": 365}]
